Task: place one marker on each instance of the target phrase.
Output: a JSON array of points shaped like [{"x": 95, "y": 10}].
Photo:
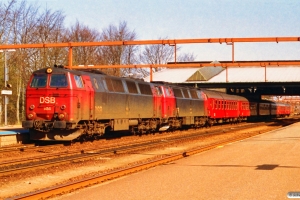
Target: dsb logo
[{"x": 47, "y": 99}]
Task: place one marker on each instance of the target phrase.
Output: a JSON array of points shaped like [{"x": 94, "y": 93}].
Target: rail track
[
  {"x": 161, "y": 159},
  {"x": 11, "y": 167}
]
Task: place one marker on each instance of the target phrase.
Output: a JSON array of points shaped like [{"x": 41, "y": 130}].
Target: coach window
[
  {"x": 39, "y": 80},
  {"x": 58, "y": 80},
  {"x": 78, "y": 81}
]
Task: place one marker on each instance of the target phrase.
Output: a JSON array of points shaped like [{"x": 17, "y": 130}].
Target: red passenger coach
[{"x": 223, "y": 107}]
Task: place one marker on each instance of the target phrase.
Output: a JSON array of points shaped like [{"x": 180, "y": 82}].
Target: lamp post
[{"x": 6, "y": 78}]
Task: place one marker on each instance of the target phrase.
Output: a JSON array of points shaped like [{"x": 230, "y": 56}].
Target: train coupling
[{"x": 164, "y": 128}]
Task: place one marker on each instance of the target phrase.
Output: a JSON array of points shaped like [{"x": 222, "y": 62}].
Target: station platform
[
  {"x": 266, "y": 166},
  {"x": 11, "y": 135}
]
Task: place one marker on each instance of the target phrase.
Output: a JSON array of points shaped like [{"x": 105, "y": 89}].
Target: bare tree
[
  {"x": 22, "y": 23},
  {"x": 49, "y": 29},
  {"x": 6, "y": 21},
  {"x": 158, "y": 54},
  {"x": 82, "y": 33},
  {"x": 186, "y": 57},
  {"x": 118, "y": 55}
]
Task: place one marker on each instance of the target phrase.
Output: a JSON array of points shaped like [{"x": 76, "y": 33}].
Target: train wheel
[
  {"x": 209, "y": 123},
  {"x": 107, "y": 130}
]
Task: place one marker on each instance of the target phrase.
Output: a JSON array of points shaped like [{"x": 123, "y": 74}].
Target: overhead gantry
[{"x": 171, "y": 42}]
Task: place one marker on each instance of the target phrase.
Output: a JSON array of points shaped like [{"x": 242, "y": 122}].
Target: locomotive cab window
[
  {"x": 78, "y": 81},
  {"x": 58, "y": 80},
  {"x": 167, "y": 91},
  {"x": 39, "y": 80},
  {"x": 158, "y": 91}
]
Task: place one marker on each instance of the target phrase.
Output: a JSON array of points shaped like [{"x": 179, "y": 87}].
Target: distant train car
[
  {"x": 282, "y": 109},
  {"x": 265, "y": 109}
]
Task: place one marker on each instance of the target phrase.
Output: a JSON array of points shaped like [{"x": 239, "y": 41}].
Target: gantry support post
[{"x": 70, "y": 57}]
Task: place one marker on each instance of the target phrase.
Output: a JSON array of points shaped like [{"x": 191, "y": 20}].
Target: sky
[{"x": 191, "y": 19}]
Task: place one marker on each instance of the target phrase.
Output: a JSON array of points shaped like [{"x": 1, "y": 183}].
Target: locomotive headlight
[
  {"x": 63, "y": 107},
  {"x": 31, "y": 115},
  {"x": 49, "y": 70},
  {"x": 61, "y": 116},
  {"x": 31, "y": 107}
]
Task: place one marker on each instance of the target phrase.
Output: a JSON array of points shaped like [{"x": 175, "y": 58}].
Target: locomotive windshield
[
  {"x": 58, "y": 80},
  {"x": 39, "y": 80}
]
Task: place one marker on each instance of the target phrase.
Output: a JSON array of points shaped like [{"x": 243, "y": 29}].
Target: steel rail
[
  {"x": 15, "y": 148},
  {"x": 27, "y": 147}
]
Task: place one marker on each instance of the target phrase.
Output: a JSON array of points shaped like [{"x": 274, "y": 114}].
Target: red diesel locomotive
[{"x": 63, "y": 104}]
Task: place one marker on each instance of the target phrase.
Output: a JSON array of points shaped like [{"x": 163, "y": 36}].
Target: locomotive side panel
[
  {"x": 123, "y": 101},
  {"x": 168, "y": 102},
  {"x": 189, "y": 106}
]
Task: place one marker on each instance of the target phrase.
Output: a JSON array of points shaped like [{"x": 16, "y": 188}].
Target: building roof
[
  {"x": 232, "y": 74},
  {"x": 181, "y": 75}
]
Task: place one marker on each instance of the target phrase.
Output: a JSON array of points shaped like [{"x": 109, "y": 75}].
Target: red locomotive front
[{"x": 54, "y": 101}]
